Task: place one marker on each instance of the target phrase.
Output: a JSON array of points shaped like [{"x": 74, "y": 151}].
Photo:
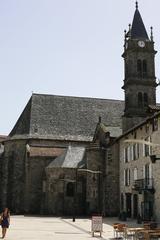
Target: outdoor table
[
  {"x": 133, "y": 231},
  {"x": 154, "y": 234},
  {"x": 149, "y": 232}
]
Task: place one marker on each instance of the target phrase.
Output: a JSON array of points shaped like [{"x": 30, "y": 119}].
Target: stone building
[
  {"x": 62, "y": 156},
  {"x": 139, "y": 170},
  {"x": 52, "y": 139}
]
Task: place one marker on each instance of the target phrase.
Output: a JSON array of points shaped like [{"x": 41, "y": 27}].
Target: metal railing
[{"x": 144, "y": 184}]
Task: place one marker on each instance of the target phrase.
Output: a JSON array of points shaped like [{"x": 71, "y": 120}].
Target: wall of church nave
[
  {"x": 65, "y": 192},
  {"x": 34, "y": 177},
  {"x": 12, "y": 182}
]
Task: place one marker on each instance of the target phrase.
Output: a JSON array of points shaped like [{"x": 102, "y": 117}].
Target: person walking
[{"x": 5, "y": 221}]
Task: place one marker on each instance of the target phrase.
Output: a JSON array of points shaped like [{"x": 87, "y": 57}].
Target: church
[{"x": 62, "y": 156}]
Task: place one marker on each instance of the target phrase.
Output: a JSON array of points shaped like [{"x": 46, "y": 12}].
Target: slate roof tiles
[{"x": 67, "y": 118}]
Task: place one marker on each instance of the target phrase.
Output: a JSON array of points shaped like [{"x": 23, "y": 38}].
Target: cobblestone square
[{"x": 56, "y": 228}]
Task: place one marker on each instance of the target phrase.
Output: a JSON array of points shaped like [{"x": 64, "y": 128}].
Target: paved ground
[{"x": 47, "y": 228}]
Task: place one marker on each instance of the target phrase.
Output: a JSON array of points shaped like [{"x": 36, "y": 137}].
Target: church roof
[
  {"x": 66, "y": 118},
  {"x": 138, "y": 30},
  {"x": 71, "y": 158}
]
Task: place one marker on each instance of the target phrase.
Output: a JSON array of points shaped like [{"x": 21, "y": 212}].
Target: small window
[
  {"x": 155, "y": 124},
  {"x": 137, "y": 150},
  {"x": 147, "y": 127},
  {"x": 147, "y": 149},
  {"x": 134, "y": 152},
  {"x": 147, "y": 173},
  {"x": 145, "y": 99},
  {"x": 127, "y": 177},
  {"x": 140, "y": 101},
  {"x": 70, "y": 190},
  {"x": 139, "y": 67},
  {"x": 126, "y": 102},
  {"x": 144, "y": 67},
  {"x": 126, "y": 154},
  {"x": 130, "y": 153}
]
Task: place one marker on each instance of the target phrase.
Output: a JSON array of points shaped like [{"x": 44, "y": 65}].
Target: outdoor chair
[
  {"x": 129, "y": 235},
  {"x": 115, "y": 227},
  {"x": 140, "y": 236},
  {"x": 147, "y": 225},
  {"x": 121, "y": 230}
]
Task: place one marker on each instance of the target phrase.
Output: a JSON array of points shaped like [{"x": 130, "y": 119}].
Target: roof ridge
[{"x": 78, "y": 97}]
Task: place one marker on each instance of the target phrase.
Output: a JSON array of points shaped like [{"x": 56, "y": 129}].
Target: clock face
[{"x": 141, "y": 44}]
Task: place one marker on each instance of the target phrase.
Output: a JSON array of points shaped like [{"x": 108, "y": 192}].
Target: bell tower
[{"x": 139, "y": 76}]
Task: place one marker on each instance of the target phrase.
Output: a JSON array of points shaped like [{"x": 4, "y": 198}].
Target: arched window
[
  {"x": 140, "y": 100},
  {"x": 126, "y": 102},
  {"x": 70, "y": 189},
  {"x": 144, "y": 67},
  {"x": 145, "y": 99},
  {"x": 139, "y": 67}
]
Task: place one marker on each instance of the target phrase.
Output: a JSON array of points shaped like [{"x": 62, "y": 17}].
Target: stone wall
[
  {"x": 94, "y": 197},
  {"x": 59, "y": 200},
  {"x": 26, "y": 188},
  {"x": 12, "y": 179},
  {"x": 35, "y": 172},
  {"x": 112, "y": 181}
]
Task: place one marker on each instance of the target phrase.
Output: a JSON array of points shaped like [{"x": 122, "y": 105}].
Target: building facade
[{"x": 139, "y": 172}]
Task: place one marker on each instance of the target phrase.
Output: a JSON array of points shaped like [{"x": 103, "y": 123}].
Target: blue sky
[{"x": 65, "y": 47}]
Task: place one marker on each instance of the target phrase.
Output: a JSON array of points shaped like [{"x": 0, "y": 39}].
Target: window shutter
[
  {"x": 124, "y": 155},
  {"x": 129, "y": 177},
  {"x": 132, "y": 152},
  {"x": 129, "y": 154},
  {"x": 124, "y": 177},
  {"x": 150, "y": 147},
  {"x": 135, "y": 174},
  {"x": 144, "y": 172},
  {"x": 150, "y": 170},
  {"x": 143, "y": 150}
]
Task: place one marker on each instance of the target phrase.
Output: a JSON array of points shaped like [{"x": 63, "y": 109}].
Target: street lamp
[{"x": 154, "y": 158}]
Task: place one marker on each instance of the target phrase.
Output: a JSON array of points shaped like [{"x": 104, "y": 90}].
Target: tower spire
[{"x": 138, "y": 30}]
